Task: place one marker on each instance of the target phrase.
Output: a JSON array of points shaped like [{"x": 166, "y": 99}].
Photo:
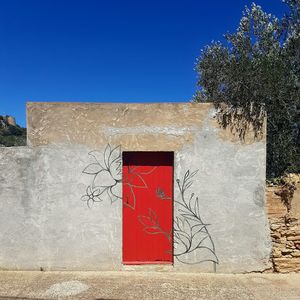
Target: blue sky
[{"x": 107, "y": 51}]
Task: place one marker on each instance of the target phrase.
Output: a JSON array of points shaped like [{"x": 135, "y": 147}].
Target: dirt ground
[{"x": 146, "y": 285}]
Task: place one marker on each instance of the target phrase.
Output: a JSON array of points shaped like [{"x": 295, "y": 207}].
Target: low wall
[
  {"x": 44, "y": 222},
  {"x": 285, "y": 230}
]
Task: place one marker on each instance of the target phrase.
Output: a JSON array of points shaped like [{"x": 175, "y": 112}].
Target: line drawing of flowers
[
  {"x": 107, "y": 175},
  {"x": 190, "y": 233},
  {"x": 134, "y": 179},
  {"x": 91, "y": 196}
]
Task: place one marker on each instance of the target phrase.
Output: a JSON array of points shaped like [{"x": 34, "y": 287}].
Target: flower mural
[
  {"x": 193, "y": 243},
  {"x": 134, "y": 179},
  {"x": 106, "y": 175},
  {"x": 91, "y": 196},
  {"x": 106, "y": 170}
]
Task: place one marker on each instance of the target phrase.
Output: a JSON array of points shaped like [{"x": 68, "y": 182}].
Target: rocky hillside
[{"x": 11, "y": 134}]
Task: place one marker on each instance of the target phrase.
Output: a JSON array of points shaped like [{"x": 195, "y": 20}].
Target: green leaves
[
  {"x": 11, "y": 135},
  {"x": 257, "y": 72}
]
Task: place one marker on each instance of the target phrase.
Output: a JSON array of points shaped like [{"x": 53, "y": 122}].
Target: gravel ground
[{"x": 147, "y": 285}]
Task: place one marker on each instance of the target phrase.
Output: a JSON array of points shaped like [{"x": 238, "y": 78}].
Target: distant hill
[{"x": 11, "y": 134}]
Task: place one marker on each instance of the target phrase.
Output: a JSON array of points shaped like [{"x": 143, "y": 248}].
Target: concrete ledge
[{"x": 141, "y": 285}]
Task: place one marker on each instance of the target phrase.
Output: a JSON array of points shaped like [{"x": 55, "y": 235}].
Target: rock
[
  {"x": 292, "y": 232},
  {"x": 295, "y": 253},
  {"x": 294, "y": 238},
  {"x": 275, "y": 235},
  {"x": 283, "y": 240},
  {"x": 286, "y": 265},
  {"x": 290, "y": 247},
  {"x": 275, "y": 226},
  {"x": 276, "y": 253},
  {"x": 286, "y": 251}
]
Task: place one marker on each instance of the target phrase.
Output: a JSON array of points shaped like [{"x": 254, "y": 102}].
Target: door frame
[{"x": 170, "y": 263}]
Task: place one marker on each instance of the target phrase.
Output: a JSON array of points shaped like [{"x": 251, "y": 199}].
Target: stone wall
[{"x": 285, "y": 230}]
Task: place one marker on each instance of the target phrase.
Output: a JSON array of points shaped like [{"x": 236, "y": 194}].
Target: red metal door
[{"x": 147, "y": 207}]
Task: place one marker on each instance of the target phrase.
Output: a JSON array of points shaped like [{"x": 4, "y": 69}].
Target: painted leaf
[
  {"x": 90, "y": 203},
  {"x": 196, "y": 207},
  {"x": 89, "y": 190},
  {"x": 190, "y": 217},
  {"x": 152, "y": 230},
  {"x": 188, "y": 184},
  {"x": 98, "y": 191},
  {"x": 136, "y": 181},
  {"x": 107, "y": 152},
  {"x": 148, "y": 171},
  {"x": 146, "y": 221},
  {"x": 186, "y": 175},
  {"x": 179, "y": 248},
  {"x": 98, "y": 157},
  {"x": 103, "y": 179},
  {"x": 85, "y": 198},
  {"x": 114, "y": 154},
  {"x": 115, "y": 169},
  {"x": 152, "y": 215},
  {"x": 200, "y": 255},
  {"x": 130, "y": 200},
  {"x": 194, "y": 173},
  {"x": 197, "y": 227},
  {"x": 92, "y": 169},
  {"x": 111, "y": 196},
  {"x": 187, "y": 225},
  {"x": 97, "y": 199},
  {"x": 180, "y": 222},
  {"x": 198, "y": 240},
  {"x": 182, "y": 243},
  {"x": 116, "y": 191},
  {"x": 176, "y": 225}
]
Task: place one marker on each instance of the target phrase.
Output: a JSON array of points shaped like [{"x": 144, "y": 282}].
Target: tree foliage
[
  {"x": 254, "y": 73},
  {"x": 11, "y": 135}
]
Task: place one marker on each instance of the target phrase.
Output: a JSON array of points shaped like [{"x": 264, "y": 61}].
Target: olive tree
[{"x": 254, "y": 73}]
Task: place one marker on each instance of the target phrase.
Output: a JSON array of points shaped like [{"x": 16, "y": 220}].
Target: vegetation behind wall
[
  {"x": 11, "y": 134},
  {"x": 256, "y": 72},
  {"x": 283, "y": 209}
]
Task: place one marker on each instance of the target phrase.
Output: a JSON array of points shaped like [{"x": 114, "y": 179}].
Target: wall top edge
[{"x": 32, "y": 103}]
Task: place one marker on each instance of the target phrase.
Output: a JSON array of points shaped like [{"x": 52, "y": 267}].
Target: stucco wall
[{"x": 44, "y": 223}]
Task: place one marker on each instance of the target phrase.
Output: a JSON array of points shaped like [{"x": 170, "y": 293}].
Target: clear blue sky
[{"x": 107, "y": 51}]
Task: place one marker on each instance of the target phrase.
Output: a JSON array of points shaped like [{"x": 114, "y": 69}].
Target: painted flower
[
  {"x": 106, "y": 172},
  {"x": 91, "y": 196},
  {"x": 133, "y": 179}
]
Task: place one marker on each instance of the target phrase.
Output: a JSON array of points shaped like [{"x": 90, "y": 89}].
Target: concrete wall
[{"x": 45, "y": 222}]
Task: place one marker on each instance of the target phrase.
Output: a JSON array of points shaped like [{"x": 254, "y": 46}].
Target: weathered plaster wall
[
  {"x": 135, "y": 126},
  {"x": 44, "y": 223}
]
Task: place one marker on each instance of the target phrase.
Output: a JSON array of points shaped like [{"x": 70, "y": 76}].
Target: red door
[{"x": 147, "y": 207}]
